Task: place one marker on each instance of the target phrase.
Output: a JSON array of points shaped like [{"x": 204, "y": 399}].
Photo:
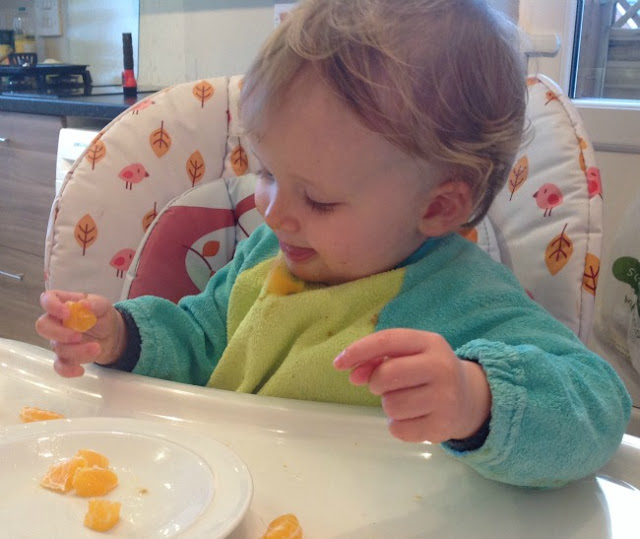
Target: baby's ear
[{"x": 448, "y": 207}]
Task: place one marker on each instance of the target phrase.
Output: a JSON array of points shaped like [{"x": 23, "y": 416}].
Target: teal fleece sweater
[{"x": 558, "y": 410}]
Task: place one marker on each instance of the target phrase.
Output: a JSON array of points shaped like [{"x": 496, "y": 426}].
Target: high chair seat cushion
[
  {"x": 191, "y": 238},
  {"x": 548, "y": 217},
  {"x": 162, "y": 146},
  {"x": 163, "y": 195}
]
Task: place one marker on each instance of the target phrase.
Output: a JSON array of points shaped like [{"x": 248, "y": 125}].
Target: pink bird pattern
[
  {"x": 548, "y": 197},
  {"x": 594, "y": 182},
  {"x": 133, "y": 173},
  {"x": 146, "y": 103},
  {"x": 122, "y": 260}
]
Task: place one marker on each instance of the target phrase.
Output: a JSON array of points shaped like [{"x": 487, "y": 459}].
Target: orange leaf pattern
[
  {"x": 96, "y": 153},
  {"x": 558, "y": 252},
  {"x": 86, "y": 232},
  {"x": 149, "y": 217},
  {"x": 195, "y": 167},
  {"x": 160, "y": 140},
  {"x": 591, "y": 272},
  {"x": 211, "y": 248},
  {"x": 239, "y": 160},
  {"x": 551, "y": 96},
  {"x": 518, "y": 175},
  {"x": 203, "y": 91}
]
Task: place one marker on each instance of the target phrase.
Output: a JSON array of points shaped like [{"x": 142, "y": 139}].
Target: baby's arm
[
  {"x": 427, "y": 392},
  {"x": 103, "y": 343}
]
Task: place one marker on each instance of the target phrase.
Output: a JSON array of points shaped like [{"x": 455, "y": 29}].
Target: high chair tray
[{"x": 335, "y": 467}]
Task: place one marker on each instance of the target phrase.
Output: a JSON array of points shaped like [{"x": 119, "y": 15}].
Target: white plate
[{"x": 171, "y": 481}]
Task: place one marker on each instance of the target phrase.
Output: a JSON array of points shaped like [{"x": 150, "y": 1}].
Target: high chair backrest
[{"x": 159, "y": 200}]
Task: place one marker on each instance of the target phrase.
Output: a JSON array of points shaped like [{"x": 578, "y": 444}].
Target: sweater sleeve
[
  {"x": 184, "y": 342},
  {"x": 531, "y": 441},
  {"x": 558, "y": 410}
]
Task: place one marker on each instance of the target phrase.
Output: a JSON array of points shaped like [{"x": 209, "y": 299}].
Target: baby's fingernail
[{"x": 339, "y": 358}]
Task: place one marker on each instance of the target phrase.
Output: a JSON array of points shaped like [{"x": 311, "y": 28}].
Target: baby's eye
[{"x": 320, "y": 207}]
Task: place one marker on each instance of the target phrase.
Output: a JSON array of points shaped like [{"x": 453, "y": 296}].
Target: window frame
[{"x": 614, "y": 125}]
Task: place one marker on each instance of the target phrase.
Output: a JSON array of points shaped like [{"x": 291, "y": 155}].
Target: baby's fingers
[
  {"x": 53, "y": 302},
  {"x": 386, "y": 343},
  {"x": 67, "y": 369},
  {"x": 51, "y": 328},
  {"x": 361, "y": 374},
  {"x": 70, "y": 357}
]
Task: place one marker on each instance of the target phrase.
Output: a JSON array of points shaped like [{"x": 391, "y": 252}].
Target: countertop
[{"x": 104, "y": 107}]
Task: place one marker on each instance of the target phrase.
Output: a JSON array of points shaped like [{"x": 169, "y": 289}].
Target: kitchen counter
[{"x": 104, "y": 107}]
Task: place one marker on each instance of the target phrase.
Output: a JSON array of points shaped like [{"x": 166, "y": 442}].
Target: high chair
[{"x": 161, "y": 197}]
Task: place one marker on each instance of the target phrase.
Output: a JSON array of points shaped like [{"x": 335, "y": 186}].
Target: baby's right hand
[{"x": 103, "y": 343}]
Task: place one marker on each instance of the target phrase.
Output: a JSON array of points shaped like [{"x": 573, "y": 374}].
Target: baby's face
[{"x": 343, "y": 201}]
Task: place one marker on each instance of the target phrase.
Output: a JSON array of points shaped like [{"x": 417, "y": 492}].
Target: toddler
[{"x": 383, "y": 128}]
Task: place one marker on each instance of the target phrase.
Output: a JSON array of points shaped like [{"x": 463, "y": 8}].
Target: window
[
  {"x": 607, "y": 50},
  {"x": 557, "y": 28}
]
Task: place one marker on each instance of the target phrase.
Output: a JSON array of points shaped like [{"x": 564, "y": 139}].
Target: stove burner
[
  {"x": 46, "y": 79},
  {"x": 17, "y": 83}
]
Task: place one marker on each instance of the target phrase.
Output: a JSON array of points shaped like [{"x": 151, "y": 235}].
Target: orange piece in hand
[
  {"x": 102, "y": 514},
  {"x": 59, "y": 477},
  {"x": 94, "y": 481},
  {"x": 81, "y": 318},
  {"x": 284, "y": 527},
  {"x": 29, "y": 414}
]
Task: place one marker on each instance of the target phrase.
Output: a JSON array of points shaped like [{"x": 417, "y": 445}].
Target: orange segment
[
  {"x": 284, "y": 527},
  {"x": 93, "y": 458},
  {"x": 102, "y": 515},
  {"x": 81, "y": 318},
  {"x": 59, "y": 477},
  {"x": 29, "y": 414},
  {"x": 94, "y": 481}
]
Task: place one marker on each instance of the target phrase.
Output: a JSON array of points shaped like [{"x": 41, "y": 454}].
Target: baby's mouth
[{"x": 296, "y": 254}]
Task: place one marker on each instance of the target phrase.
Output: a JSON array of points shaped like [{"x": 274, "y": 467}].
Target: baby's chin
[{"x": 320, "y": 277}]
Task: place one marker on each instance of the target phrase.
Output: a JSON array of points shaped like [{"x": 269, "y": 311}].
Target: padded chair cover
[{"x": 160, "y": 199}]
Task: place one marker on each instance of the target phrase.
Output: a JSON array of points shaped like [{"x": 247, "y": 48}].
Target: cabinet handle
[
  {"x": 16, "y": 276},
  {"x": 4, "y": 140}
]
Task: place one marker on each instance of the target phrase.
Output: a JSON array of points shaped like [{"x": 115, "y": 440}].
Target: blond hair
[{"x": 441, "y": 79}]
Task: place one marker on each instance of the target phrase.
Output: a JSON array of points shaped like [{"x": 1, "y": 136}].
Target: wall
[{"x": 188, "y": 39}]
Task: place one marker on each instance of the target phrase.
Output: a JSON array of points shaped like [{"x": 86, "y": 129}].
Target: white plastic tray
[{"x": 334, "y": 466}]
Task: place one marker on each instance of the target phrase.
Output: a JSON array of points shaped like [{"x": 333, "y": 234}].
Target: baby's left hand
[{"x": 428, "y": 393}]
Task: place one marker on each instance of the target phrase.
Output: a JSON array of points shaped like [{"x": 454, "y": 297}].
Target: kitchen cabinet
[{"x": 28, "y": 145}]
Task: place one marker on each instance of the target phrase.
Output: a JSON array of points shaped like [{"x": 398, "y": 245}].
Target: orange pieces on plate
[
  {"x": 81, "y": 318},
  {"x": 102, "y": 515},
  {"x": 93, "y": 458},
  {"x": 284, "y": 527},
  {"x": 87, "y": 472},
  {"x": 94, "y": 481},
  {"x": 59, "y": 477},
  {"x": 29, "y": 414}
]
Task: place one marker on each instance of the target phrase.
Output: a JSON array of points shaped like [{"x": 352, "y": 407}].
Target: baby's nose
[{"x": 279, "y": 214}]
